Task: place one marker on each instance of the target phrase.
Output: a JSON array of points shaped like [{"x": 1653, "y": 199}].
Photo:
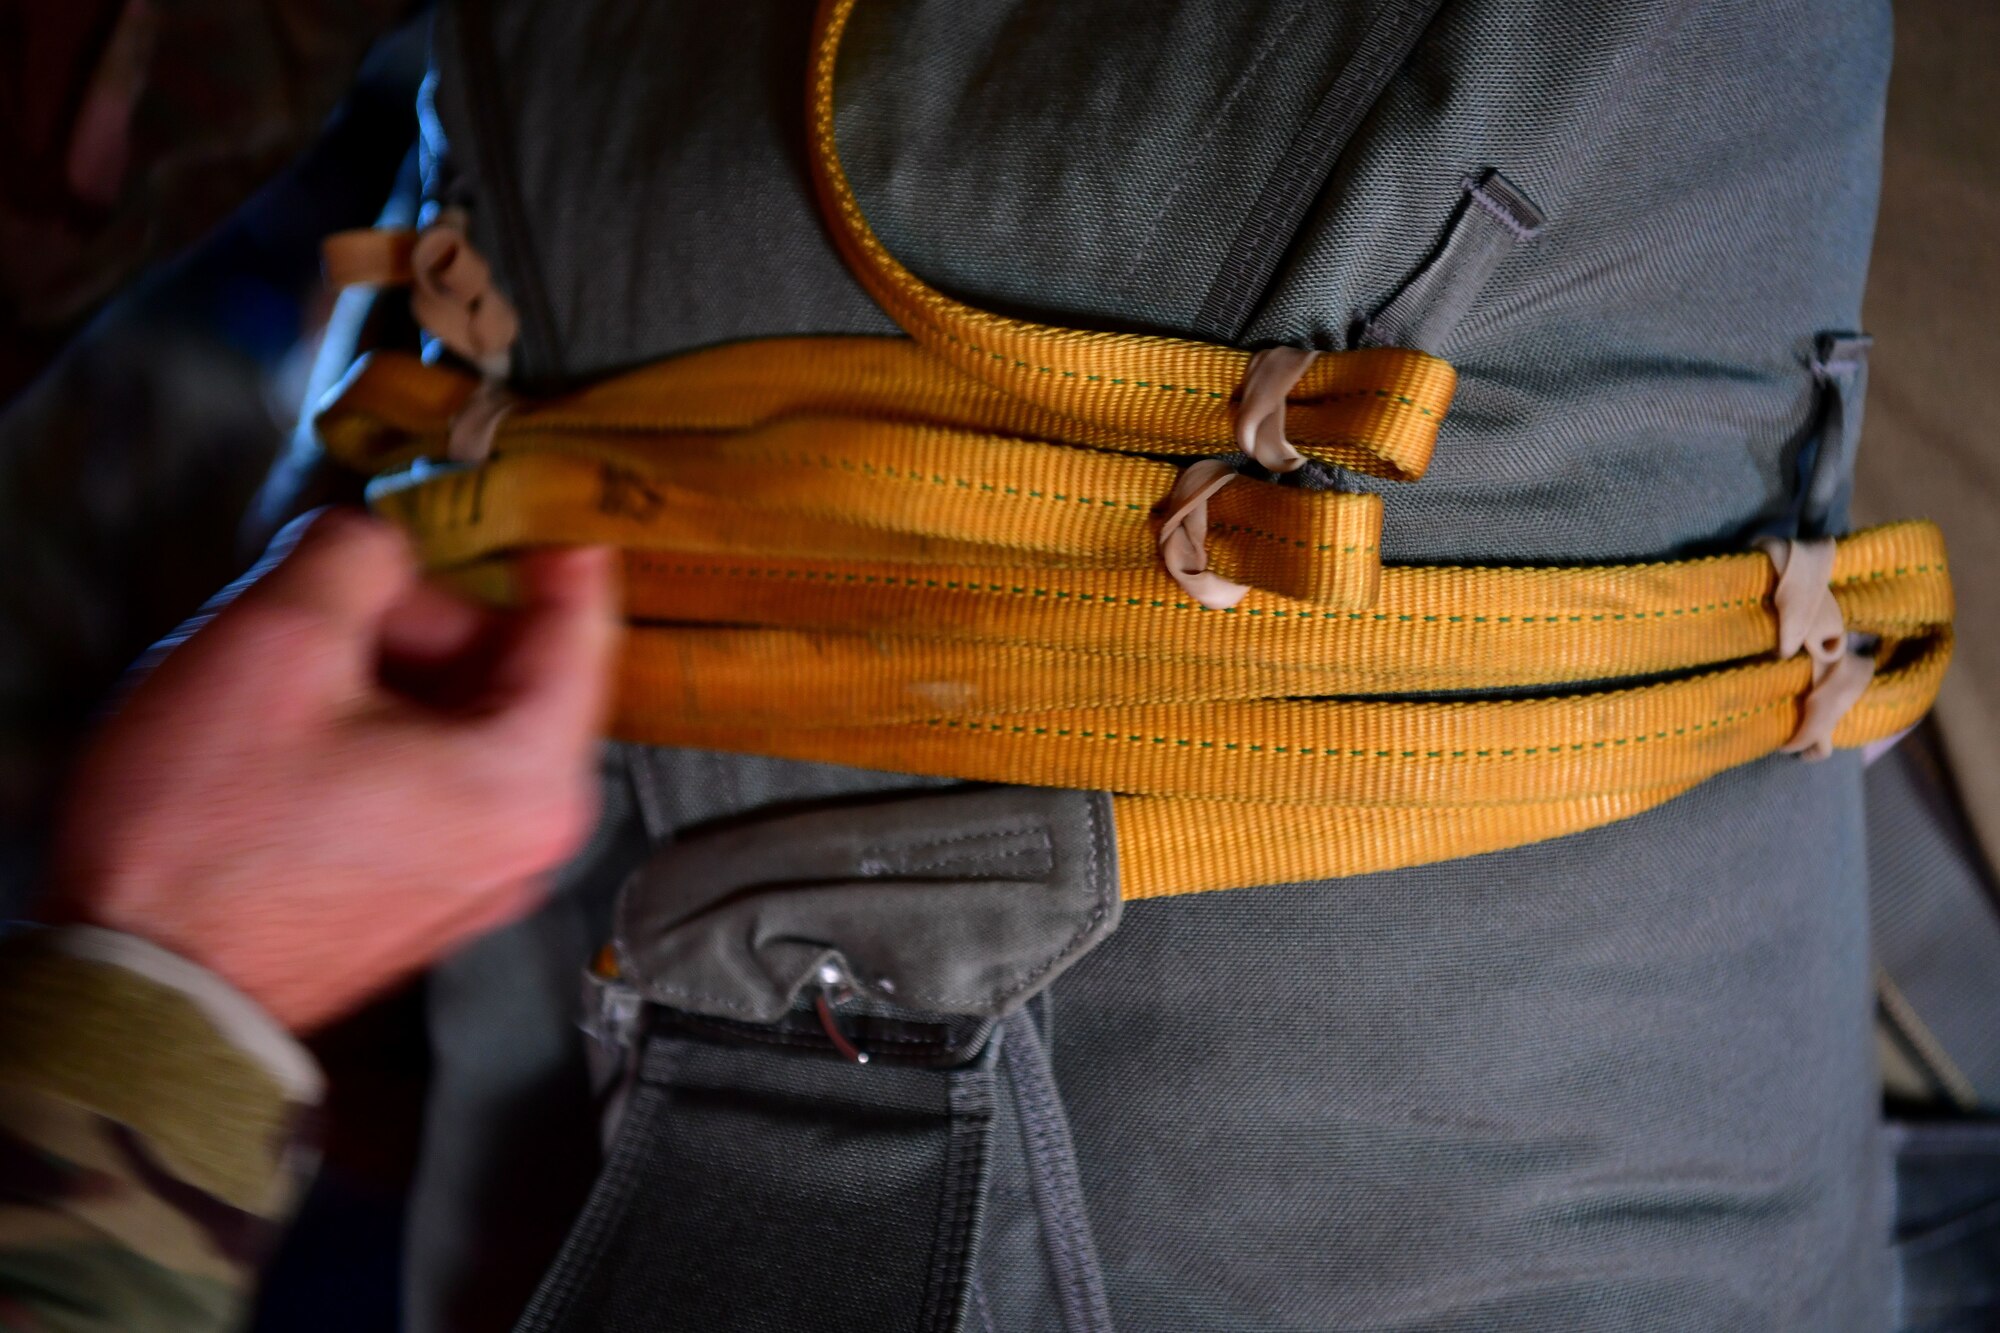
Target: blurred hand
[{"x": 347, "y": 772}]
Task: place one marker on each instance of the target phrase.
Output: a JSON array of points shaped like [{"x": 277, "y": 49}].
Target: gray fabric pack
[{"x": 1622, "y": 1080}]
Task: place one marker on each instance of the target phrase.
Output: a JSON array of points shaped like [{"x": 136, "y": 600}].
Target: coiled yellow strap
[{"x": 821, "y": 566}]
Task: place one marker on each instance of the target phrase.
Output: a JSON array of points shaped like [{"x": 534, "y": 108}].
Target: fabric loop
[
  {"x": 476, "y": 424},
  {"x": 1808, "y": 616},
  {"x": 455, "y": 300},
  {"x": 1809, "y": 620},
  {"x": 1836, "y": 689},
  {"x": 453, "y": 297},
  {"x": 1184, "y": 535},
  {"x": 370, "y": 257},
  {"x": 1260, "y": 432},
  {"x": 1260, "y": 418}
]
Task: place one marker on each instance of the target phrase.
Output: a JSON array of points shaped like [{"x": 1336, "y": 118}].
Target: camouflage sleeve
[{"x": 152, "y": 1143}]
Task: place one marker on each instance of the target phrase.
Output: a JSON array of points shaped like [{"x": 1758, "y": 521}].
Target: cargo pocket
[{"x": 823, "y": 1035}]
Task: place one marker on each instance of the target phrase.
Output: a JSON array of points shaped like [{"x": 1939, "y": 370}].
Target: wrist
[{"x": 213, "y": 1090}]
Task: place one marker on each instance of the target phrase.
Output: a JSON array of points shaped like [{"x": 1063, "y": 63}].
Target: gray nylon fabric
[
  {"x": 1494, "y": 218},
  {"x": 1618, "y": 1080},
  {"x": 1637, "y": 382},
  {"x": 1013, "y": 1283},
  {"x": 1621, "y": 1080},
  {"x": 960, "y": 903},
  {"x": 644, "y": 238}
]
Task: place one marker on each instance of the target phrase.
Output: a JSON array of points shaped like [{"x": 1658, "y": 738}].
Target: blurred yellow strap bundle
[
  {"x": 940, "y": 582},
  {"x": 938, "y": 555}
]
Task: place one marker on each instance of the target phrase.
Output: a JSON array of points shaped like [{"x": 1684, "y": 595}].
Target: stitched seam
[
  {"x": 883, "y": 849},
  {"x": 1498, "y": 210},
  {"x": 1038, "y": 847},
  {"x": 1215, "y": 122},
  {"x": 967, "y": 865},
  {"x": 1022, "y": 982},
  {"x": 1291, "y": 541},
  {"x": 1336, "y": 752},
  {"x": 1055, "y": 1188},
  {"x": 762, "y": 1033},
  {"x": 1157, "y": 603},
  {"x": 1897, "y": 571},
  {"x": 1027, "y": 591},
  {"x": 1402, "y": 399},
  {"x": 950, "y": 1265},
  {"x": 1115, "y": 381},
  {"x": 867, "y": 468},
  {"x": 872, "y": 469},
  {"x": 582, "y": 1254}
]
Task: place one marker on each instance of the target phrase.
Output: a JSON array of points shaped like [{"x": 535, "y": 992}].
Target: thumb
[
  {"x": 346, "y": 567},
  {"x": 552, "y": 681},
  {"x": 315, "y": 617}
]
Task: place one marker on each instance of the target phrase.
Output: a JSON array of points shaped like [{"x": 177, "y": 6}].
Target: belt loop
[{"x": 1827, "y": 466}]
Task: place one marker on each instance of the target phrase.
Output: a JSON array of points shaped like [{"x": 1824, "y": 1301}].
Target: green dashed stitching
[
  {"x": 1334, "y": 752},
  {"x": 1014, "y": 363},
  {"x": 1291, "y": 541},
  {"x": 1403, "y": 400},
  {"x": 870, "y": 469},
  {"x": 1898, "y": 572},
  {"x": 1155, "y": 603}
]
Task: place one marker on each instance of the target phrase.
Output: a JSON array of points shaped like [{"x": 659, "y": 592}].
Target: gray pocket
[{"x": 963, "y": 903}]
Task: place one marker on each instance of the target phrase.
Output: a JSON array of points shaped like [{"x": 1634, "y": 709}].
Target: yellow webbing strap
[
  {"x": 809, "y": 576},
  {"x": 936, "y": 555}
]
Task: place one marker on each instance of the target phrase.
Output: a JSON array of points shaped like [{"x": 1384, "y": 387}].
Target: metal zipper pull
[{"x": 835, "y": 987}]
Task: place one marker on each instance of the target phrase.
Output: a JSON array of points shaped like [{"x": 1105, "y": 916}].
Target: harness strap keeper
[{"x": 1809, "y": 620}]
